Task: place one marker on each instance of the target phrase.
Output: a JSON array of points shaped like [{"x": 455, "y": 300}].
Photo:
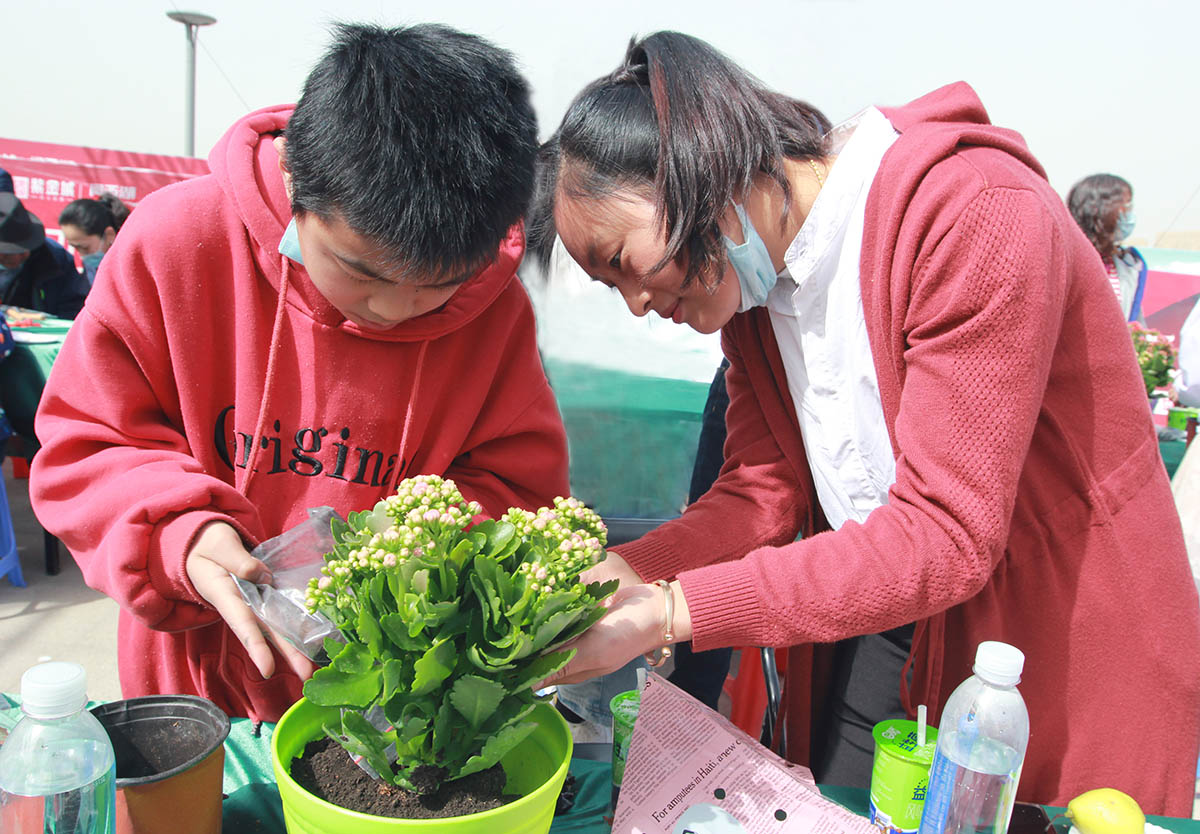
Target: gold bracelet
[{"x": 656, "y": 657}]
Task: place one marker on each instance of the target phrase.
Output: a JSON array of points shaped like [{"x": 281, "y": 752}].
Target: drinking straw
[{"x": 921, "y": 725}]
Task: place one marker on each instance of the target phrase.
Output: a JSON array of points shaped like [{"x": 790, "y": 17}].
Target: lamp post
[{"x": 192, "y": 21}]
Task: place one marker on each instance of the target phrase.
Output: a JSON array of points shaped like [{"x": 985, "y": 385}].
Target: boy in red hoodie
[{"x": 333, "y": 309}]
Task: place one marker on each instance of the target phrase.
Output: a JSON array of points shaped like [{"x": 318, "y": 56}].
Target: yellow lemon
[{"x": 1106, "y": 811}]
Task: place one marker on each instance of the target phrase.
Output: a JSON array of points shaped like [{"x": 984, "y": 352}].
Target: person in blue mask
[
  {"x": 38, "y": 273},
  {"x": 937, "y": 432},
  {"x": 90, "y": 226},
  {"x": 1102, "y": 205}
]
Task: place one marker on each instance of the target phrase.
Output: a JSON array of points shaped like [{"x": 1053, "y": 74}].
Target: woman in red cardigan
[{"x": 930, "y": 383}]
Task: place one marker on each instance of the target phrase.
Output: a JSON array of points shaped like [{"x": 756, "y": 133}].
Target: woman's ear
[
  {"x": 109, "y": 235},
  {"x": 281, "y": 149}
]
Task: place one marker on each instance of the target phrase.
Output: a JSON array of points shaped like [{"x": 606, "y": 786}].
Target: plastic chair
[
  {"x": 20, "y": 452},
  {"x": 10, "y": 561}
]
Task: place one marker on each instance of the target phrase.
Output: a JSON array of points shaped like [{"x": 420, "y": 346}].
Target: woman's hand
[
  {"x": 217, "y": 553},
  {"x": 633, "y": 625},
  {"x": 613, "y": 567}
]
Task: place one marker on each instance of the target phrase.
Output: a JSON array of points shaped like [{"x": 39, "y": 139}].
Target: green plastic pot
[{"x": 536, "y": 769}]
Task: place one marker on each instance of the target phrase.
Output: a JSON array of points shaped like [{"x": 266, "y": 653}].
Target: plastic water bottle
[
  {"x": 980, "y": 748},
  {"x": 57, "y": 769}
]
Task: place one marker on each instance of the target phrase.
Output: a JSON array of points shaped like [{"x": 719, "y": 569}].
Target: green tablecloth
[
  {"x": 23, "y": 374},
  {"x": 1172, "y": 453}
]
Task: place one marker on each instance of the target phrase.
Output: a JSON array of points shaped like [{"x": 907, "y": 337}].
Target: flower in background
[{"x": 1156, "y": 356}]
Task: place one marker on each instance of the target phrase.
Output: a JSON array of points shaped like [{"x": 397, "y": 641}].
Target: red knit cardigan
[{"x": 1030, "y": 503}]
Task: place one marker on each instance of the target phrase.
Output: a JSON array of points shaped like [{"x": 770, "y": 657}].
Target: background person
[
  {"x": 333, "y": 309},
  {"x": 901, "y": 301},
  {"x": 35, "y": 271},
  {"x": 90, "y": 227},
  {"x": 1102, "y": 205}
]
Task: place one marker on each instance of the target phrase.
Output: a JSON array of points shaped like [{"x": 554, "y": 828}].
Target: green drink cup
[
  {"x": 900, "y": 775},
  {"x": 624, "y": 707}
]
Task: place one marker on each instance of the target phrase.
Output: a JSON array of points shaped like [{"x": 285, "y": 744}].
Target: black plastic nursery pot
[{"x": 170, "y": 752}]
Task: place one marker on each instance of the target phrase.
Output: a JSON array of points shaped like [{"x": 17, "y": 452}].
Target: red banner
[{"x": 47, "y": 176}]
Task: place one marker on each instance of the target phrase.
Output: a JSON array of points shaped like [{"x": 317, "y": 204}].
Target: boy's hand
[{"x": 217, "y": 553}]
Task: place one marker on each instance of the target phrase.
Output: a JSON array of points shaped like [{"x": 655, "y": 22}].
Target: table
[
  {"x": 23, "y": 374},
  {"x": 252, "y": 803},
  {"x": 1172, "y": 453}
]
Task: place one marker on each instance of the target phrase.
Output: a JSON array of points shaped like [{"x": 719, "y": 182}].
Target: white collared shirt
[{"x": 817, "y": 314}]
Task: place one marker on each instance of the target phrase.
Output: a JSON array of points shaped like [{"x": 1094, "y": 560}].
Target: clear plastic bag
[{"x": 294, "y": 557}]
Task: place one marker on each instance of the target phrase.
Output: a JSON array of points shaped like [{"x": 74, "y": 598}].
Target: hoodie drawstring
[
  {"x": 256, "y": 441},
  {"x": 272, "y": 354},
  {"x": 408, "y": 417}
]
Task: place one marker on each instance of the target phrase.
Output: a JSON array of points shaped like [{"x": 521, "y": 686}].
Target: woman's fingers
[{"x": 632, "y": 626}]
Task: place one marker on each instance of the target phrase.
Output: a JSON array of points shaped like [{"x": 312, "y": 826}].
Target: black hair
[
  {"x": 683, "y": 125},
  {"x": 420, "y": 138},
  {"x": 94, "y": 216},
  {"x": 1095, "y": 203}
]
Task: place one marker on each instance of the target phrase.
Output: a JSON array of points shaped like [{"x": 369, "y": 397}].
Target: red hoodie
[
  {"x": 198, "y": 338},
  {"x": 1030, "y": 502}
]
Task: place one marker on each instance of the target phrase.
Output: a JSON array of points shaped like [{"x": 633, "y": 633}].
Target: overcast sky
[{"x": 1093, "y": 86}]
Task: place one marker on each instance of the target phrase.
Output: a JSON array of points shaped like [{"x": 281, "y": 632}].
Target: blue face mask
[
  {"x": 6, "y": 276},
  {"x": 1125, "y": 225},
  {"x": 752, "y": 263},
  {"x": 92, "y": 262},
  {"x": 289, "y": 244}
]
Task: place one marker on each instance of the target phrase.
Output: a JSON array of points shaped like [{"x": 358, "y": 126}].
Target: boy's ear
[{"x": 281, "y": 149}]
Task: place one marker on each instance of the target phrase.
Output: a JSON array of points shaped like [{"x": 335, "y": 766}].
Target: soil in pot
[{"x": 327, "y": 771}]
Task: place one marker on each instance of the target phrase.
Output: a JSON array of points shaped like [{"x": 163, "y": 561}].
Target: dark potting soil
[{"x": 326, "y": 770}]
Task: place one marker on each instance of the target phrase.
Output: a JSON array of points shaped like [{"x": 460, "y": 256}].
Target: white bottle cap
[
  {"x": 999, "y": 663},
  {"x": 53, "y": 690}
]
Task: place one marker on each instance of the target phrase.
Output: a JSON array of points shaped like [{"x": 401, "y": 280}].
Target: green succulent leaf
[
  {"x": 485, "y": 581},
  {"x": 444, "y": 725},
  {"x": 396, "y": 628},
  {"x": 496, "y": 748},
  {"x": 370, "y": 742},
  {"x": 333, "y": 646},
  {"x": 552, "y": 605},
  {"x": 333, "y": 687},
  {"x": 556, "y": 625},
  {"x": 412, "y": 728},
  {"x": 485, "y": 664},
  {"x": 433, "y": 668},
  {"x": 436, "y": 613},
  {"x": 577, "y": 628},
  {"x": 476, "y": 698},
  {"x": 369, "y": 632},
  {"x": 542, "y": 668},
  {"x": 393, "y": 678}
]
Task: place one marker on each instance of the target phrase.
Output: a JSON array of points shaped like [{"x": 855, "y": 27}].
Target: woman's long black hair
[
  {"x": 684, "y": 126},
  {"x": 94, "y": 216}
]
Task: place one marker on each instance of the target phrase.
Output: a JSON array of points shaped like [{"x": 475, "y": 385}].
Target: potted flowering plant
[
  {"x": 447, "y": 626},
  {"x": 1155, "y": 355}
]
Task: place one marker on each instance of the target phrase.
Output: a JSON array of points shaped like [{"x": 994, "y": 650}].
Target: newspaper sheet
[{"x": 690, "y": 771}]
